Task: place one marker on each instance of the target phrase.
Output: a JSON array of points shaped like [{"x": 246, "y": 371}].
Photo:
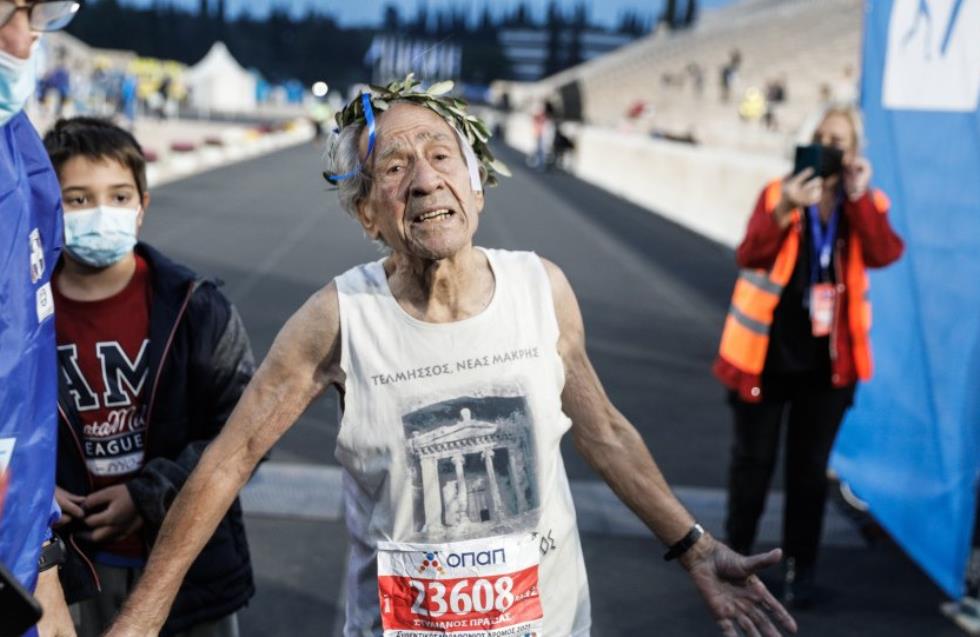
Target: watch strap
[
  {"x": 681, "y": 546},
  {"x": 53, "y": 553}
]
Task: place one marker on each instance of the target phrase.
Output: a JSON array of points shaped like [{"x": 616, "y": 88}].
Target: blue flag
[{"x": 911, "y": 446}]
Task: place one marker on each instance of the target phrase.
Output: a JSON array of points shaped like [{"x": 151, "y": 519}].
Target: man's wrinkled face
[{"x": 420, "y": 202}]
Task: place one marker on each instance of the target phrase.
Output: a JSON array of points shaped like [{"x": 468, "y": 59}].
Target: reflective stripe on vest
[
  {"x": 859, "y": 298},
  {"x": 745, "y": 339},
  {"x": 859, "y": 309}
]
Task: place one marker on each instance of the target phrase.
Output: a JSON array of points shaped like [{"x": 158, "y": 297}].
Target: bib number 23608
[
  {"x": 487, "y": 587},
  {"x": 482, "y": 595}
]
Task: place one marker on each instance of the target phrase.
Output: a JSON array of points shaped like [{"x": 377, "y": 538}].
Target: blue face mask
[
  {"x": 100, "y": 237},
  {"x": 17, "y": 79}
]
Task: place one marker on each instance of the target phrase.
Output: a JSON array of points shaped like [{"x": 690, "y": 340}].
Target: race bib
[
  {"x": 477, "y": 588},
  {"x": 823, "y": 299}
]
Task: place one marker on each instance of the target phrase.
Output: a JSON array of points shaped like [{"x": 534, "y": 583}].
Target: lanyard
[{"x": 823, "y": 242}]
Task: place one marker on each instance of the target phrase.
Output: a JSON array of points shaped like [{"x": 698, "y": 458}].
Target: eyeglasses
[{"x": 44, "y": 15}]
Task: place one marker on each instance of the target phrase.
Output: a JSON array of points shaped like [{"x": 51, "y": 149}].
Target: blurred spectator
[
  {"x": 56, "y": 85},
  {"x": 544, "y": 137},
  {"x": 796, "y": 339},
  {"x": 776, "y": 91},
  {"x": 775, "y": 96},
  {"x": 696, "y": 74},
  {"x": 564, "y": 146},
  {"x": 102, "y": 90},
  {"x": 162, "y": 98},
  {"x": 729, "y": 73},
  {"x": 637, "y": 109},
  {"x": 128, "y": 100},
  {"x": 320, "y": 115},
  {"x": 753, "y": 105},
  {"x": 672, "y": 80}
]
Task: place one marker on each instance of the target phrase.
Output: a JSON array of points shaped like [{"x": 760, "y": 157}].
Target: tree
[
  {"x": 392, "y": 21},
  {"x": 554, "y": 61},
  {"x": 691, "y": 15},
  {"x": 522, "y": 15},
  {"x": 486, "y": 19},
  {"x": 421, "y": 26},
  {"x": 670, "y": 14}
]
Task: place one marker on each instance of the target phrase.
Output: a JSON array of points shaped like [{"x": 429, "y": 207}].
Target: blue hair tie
[{"x": 372, "y": 137}]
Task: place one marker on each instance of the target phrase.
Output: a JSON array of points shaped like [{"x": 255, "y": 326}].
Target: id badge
[
  {"x": 477, "y": 588},
  {"x": 823, "y": 300}
]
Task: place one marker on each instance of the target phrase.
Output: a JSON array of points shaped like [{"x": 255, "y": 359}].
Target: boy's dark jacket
[{"x": 200, "y": 361}]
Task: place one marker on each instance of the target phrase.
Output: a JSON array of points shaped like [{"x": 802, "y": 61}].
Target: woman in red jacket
[{"x": 796, "y": 339}]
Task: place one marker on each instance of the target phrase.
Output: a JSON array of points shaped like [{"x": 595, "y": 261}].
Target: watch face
[{"x": 52, "y": 554}]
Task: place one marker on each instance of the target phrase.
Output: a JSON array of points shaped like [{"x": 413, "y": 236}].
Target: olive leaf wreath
[{"x": 435, "y": 98}]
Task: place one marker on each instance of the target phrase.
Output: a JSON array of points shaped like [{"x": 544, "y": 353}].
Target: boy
[{"x": 153, "y": 358}]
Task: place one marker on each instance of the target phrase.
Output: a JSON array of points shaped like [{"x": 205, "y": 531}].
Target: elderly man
[
  {"x": 30, "y": 242},
  {"x": 461, "y": 369}
]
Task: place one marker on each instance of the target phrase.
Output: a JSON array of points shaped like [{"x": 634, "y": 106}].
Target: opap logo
[
  {"x": 933, "y": 56},
  {"x": 430, "y": 562}
]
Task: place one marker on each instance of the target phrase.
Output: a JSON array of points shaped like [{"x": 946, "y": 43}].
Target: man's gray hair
[{"x": 342, "y": 156}]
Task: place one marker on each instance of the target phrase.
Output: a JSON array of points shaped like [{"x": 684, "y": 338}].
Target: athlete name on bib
[{"x": 477, "y": 588}]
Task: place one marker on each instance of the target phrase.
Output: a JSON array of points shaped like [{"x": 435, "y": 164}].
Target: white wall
[{"x": 709, "y": 190}]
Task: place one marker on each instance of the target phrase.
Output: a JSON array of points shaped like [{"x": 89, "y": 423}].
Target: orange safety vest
[{"x": 745, "y": 339}]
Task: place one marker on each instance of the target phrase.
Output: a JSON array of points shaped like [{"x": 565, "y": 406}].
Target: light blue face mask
[
  {"x": 17, "y": 80},
  {"x": 101, "y": 236}
]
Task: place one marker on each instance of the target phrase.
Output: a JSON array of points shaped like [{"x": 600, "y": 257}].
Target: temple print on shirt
[{"x": 471, "y": 462}]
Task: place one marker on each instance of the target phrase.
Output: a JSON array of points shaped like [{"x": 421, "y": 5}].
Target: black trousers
[{"x": 813, "y": 418}]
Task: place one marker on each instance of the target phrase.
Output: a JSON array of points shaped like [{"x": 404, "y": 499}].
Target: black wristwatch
[
  {"x": 53, "y": 553},
  {"x": 685, "y": 543}
]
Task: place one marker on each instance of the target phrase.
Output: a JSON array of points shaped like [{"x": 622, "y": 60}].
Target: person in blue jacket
[{"x": 30, "y": 244}]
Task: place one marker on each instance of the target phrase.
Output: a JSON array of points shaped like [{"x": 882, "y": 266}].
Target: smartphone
[
  {"x": 824, "y": 160},
  {"x": 20, "y": 609}
]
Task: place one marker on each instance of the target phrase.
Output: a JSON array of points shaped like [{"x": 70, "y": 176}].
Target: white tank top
[{"x": 457, "y": 501}]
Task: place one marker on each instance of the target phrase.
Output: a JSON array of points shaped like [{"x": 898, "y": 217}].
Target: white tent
[{"x": 219, "y": 83}]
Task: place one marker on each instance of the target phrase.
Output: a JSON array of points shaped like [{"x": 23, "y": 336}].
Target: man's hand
[
  {"x": 110, "y": 514},
  {"x": 857, "y": 177},
  {"x": 71, "y": 506},
  {"x": 799, "y": 190},
  {"x": 56, "y": 621},
  {"x": 735, "y": 595}
]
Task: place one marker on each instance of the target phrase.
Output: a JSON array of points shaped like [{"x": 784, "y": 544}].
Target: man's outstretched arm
[
  {"x": 303, "y": 362},
  {"x": 613, "y": 447}
]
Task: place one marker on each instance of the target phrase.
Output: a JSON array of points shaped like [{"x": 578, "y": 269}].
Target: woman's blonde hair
[{"x": 850, "y": 112}]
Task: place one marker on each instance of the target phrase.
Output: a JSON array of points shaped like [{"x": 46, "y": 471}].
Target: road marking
[{"x": 315, "y": 492}]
